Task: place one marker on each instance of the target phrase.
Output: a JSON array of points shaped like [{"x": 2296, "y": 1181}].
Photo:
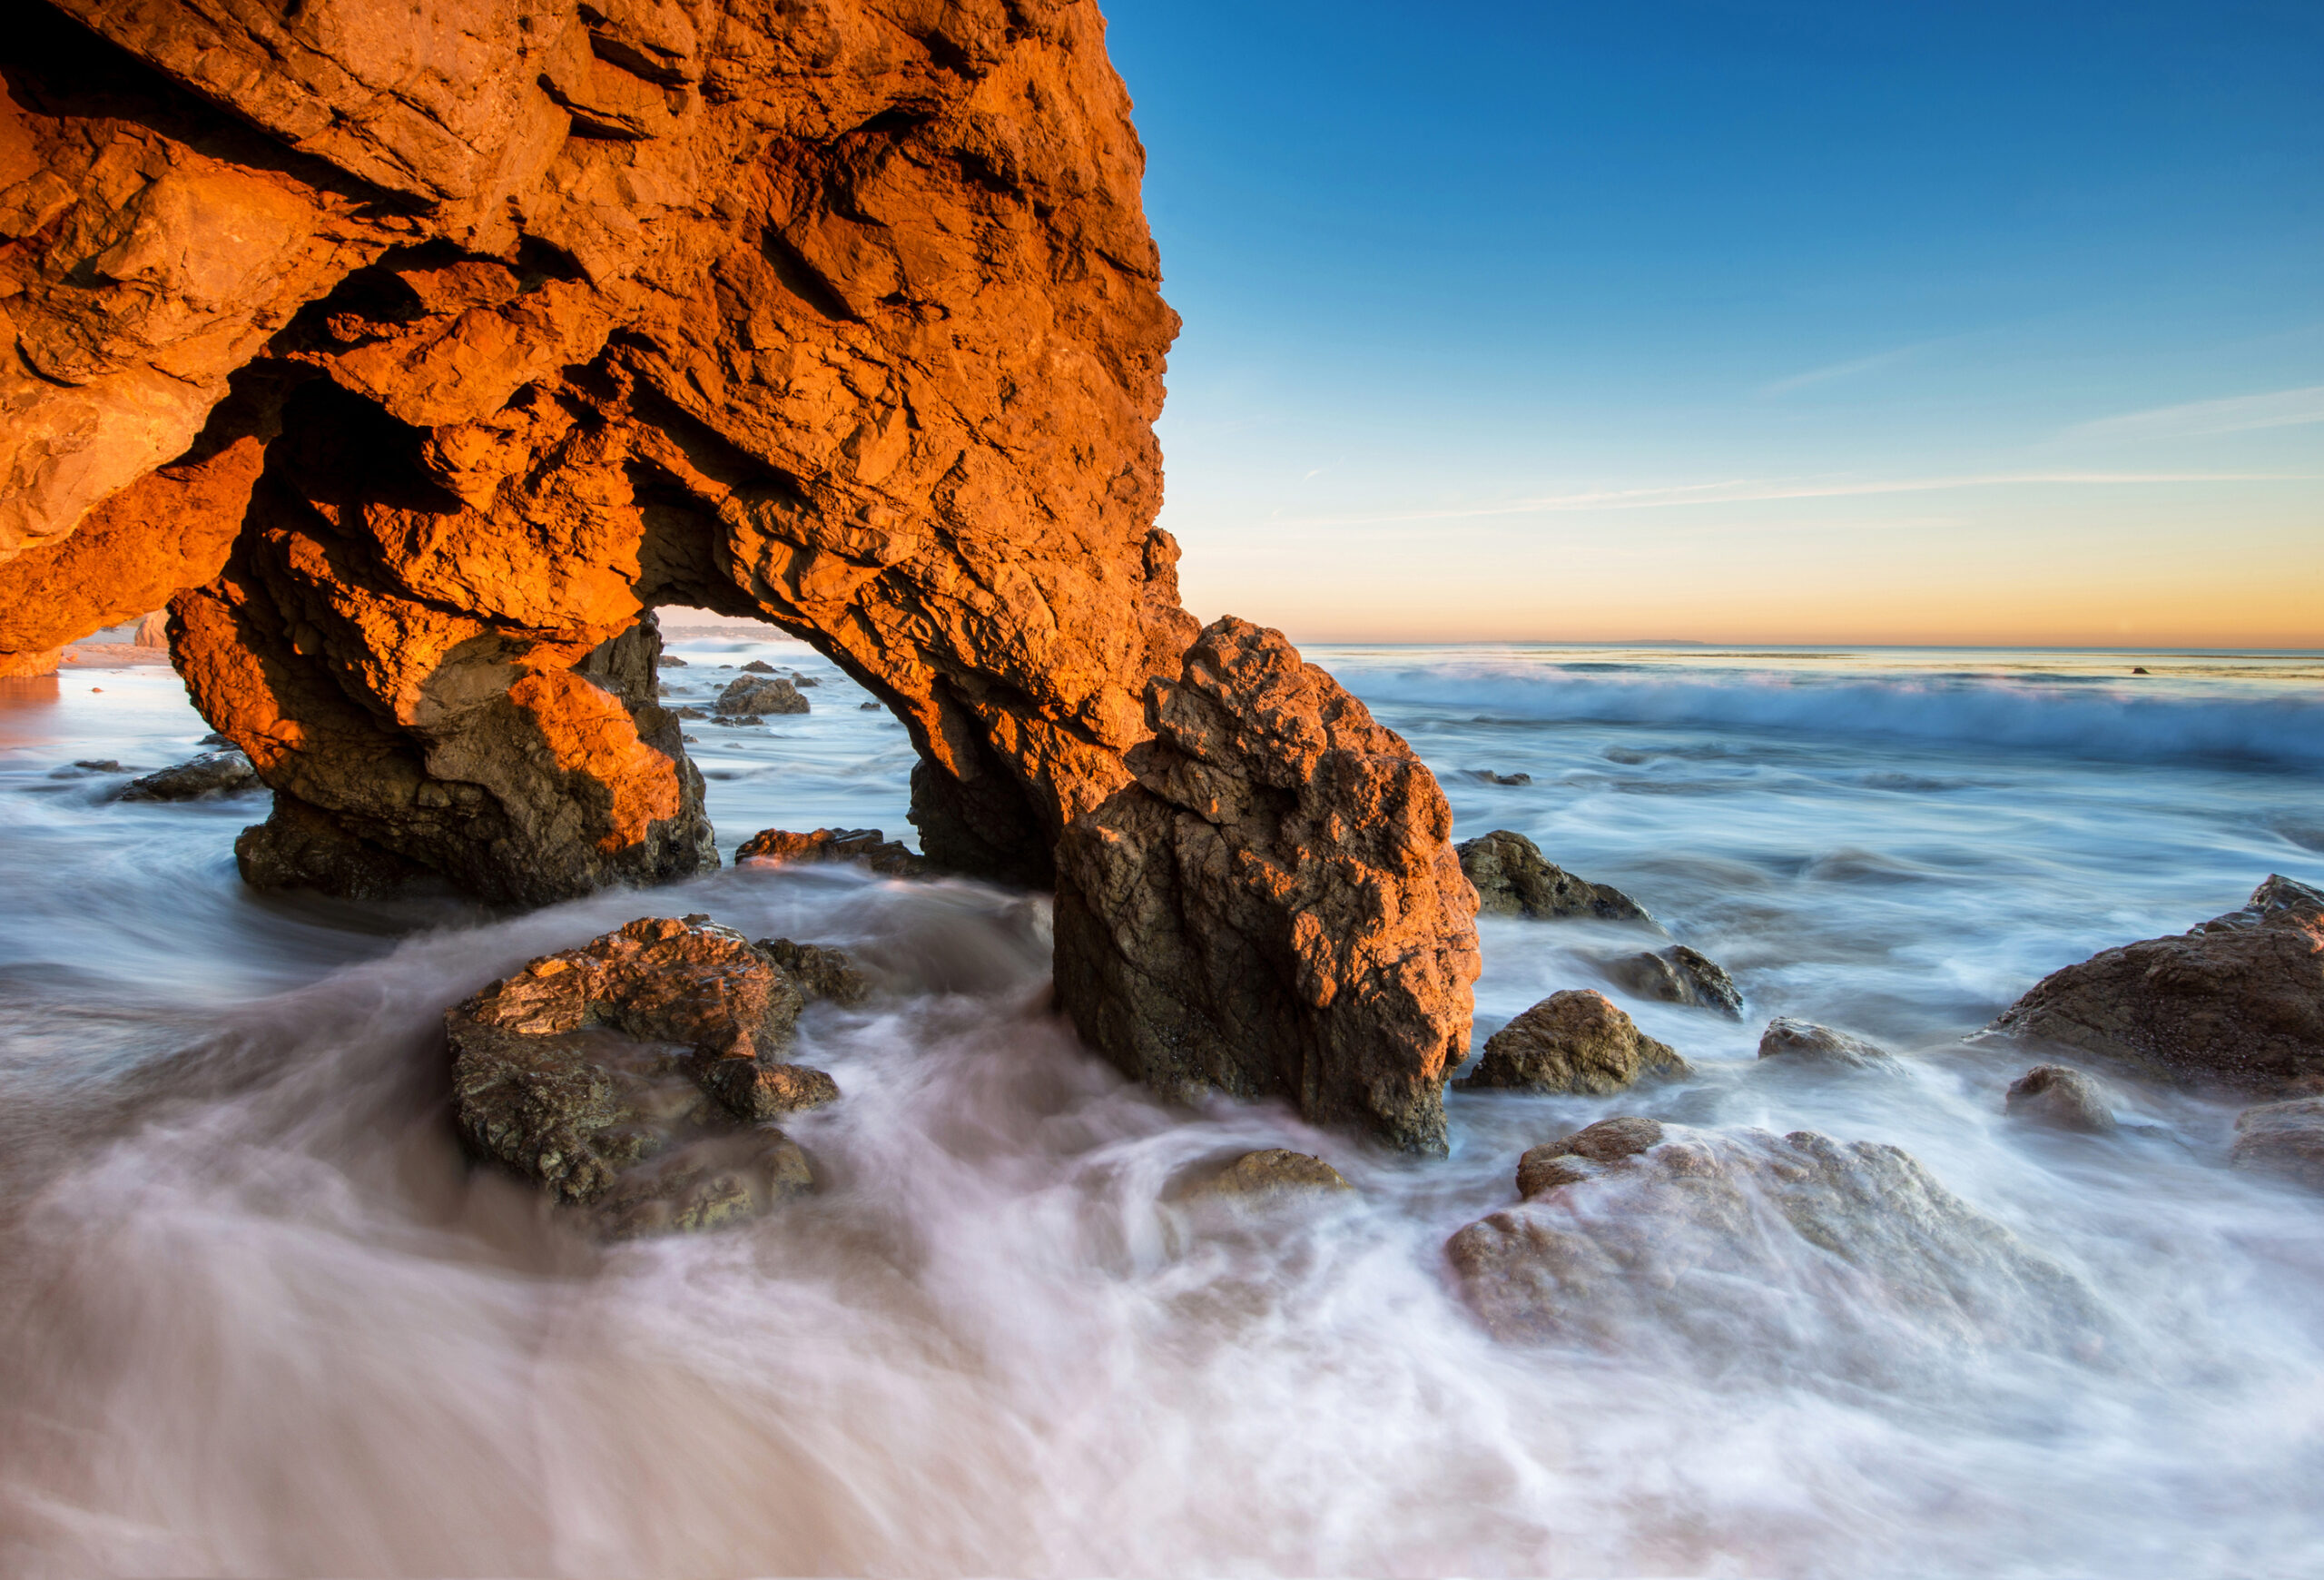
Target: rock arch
[{"x": 421, "y": 355}]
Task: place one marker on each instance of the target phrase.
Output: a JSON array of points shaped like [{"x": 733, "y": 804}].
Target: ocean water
[{"x": 258, "y": 1317}]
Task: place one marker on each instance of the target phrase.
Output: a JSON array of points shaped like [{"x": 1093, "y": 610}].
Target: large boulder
[
  {"x": 630, "y": 1076},
  {"x": 1762, "y": 1249},
  {"x": 1512, "y": 878},
  {"x": 2236, "y": 1002},
  {"x": 1274, "y": 907},
  {"x": 1678, "y": 975},
  {"x": 1577, "y": 1041}
]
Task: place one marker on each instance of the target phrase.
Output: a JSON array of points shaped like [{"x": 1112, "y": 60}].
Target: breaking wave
[{"x": 2080, "y": 719}]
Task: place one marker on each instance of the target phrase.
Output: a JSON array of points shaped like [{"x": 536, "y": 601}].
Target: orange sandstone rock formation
[
  {"x": 1275, "y": 906},
  {"x": 421, "y": 352}
]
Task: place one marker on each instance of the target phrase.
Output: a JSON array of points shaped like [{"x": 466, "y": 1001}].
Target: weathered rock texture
[
  {"x": 1754, "y": 1249},
  {"x": 1577, "y": 1041},
  {"x": 2236, "y": 1002},
  {"x": 621, "y": 1075},
  {"x": 421, "y": 352},
  {"x": 1274, "y": 907},
  {"x": 1512, "y": 878}
]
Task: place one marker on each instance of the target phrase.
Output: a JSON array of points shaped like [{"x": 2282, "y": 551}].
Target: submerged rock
[
  {"x": 1788, "y": 1037},
  {"x": 211, "y": 774},
  {"x": 1274, "y": 1172},
  {"x": 778, "y": 847},
  {"x": 1577, "y": 1041},
  {"x": 2062, "y": 1099},
  {"x": 1755, "y": 1247},
  {"x": 1582, "y": 1154},
  {"x": 2285, "y": 1138},
  {"x": 759, "y": 694},
  {"x": 2238, "y": 1003},
  {"x": 1678, "y": 975},
  {"x": 819, "y": 969},
  {"x": 753, "y": 1089},
  {"x": 621, "y": 1075},
  {"x": 1512, "y": 878}
]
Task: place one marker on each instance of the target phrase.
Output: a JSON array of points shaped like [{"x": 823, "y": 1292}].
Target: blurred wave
[{"x": 2081, "y": 718}]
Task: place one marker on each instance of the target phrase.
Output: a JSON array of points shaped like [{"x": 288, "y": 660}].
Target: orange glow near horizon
[{"x": 2014, "y": 568}]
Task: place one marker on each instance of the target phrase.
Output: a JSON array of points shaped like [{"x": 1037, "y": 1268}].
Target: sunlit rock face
[{"x": 420, "y": 351}]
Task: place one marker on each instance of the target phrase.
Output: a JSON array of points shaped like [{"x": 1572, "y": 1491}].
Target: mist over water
[{"x": 258, "y": 1316}]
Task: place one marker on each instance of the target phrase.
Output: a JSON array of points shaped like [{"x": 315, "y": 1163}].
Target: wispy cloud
[
  {"x": 1842, "y": 369},
  {"x": 2238, "y": 414},
  {"x": 1760, "y": 490}
]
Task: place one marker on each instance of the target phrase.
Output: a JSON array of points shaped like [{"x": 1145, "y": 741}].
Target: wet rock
[
  {"x": 1487, "y": 776},
  {"x": 1274, "y": 907},
  {"x": 2062, "y": 1099},
  {"x": 672, "y": 661},
  {"x": 1275, "y": 1172},
  {"x": 741, "y": 721},
  {"x": 1577, "y": 1041},
  {"x": 2286, "y": 1138},
  {"x": 778, "y": 847},
  {"x": 1678, "y": 975},
  {"x": 758, "y": 666},
  {"x": 754, "y": 1090},
  {"x": 1788, "y": 1037},
  {"x": 867, "y": 707},
  {"x": 298, "y": 848},
  {"x": 759, "y": 694},
  {"x": 211, "y": 773},
  {"x": 689, "y": 713},
  {"x": 2236, "y": 1002},
  {"x": 820, "y": 970},
  {"x": 1584, "y": 1154},
  {"x": 1514, "y": 879},
  {"x": 710, "y": 1182},
  {"x": 1770, "y": 1249},
  {"x": 98, "y": 766},
  {"x": 620, "y": 1075}
]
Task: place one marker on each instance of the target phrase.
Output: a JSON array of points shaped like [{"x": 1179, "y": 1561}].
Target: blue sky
[{"x": 1873, "y": 321}]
